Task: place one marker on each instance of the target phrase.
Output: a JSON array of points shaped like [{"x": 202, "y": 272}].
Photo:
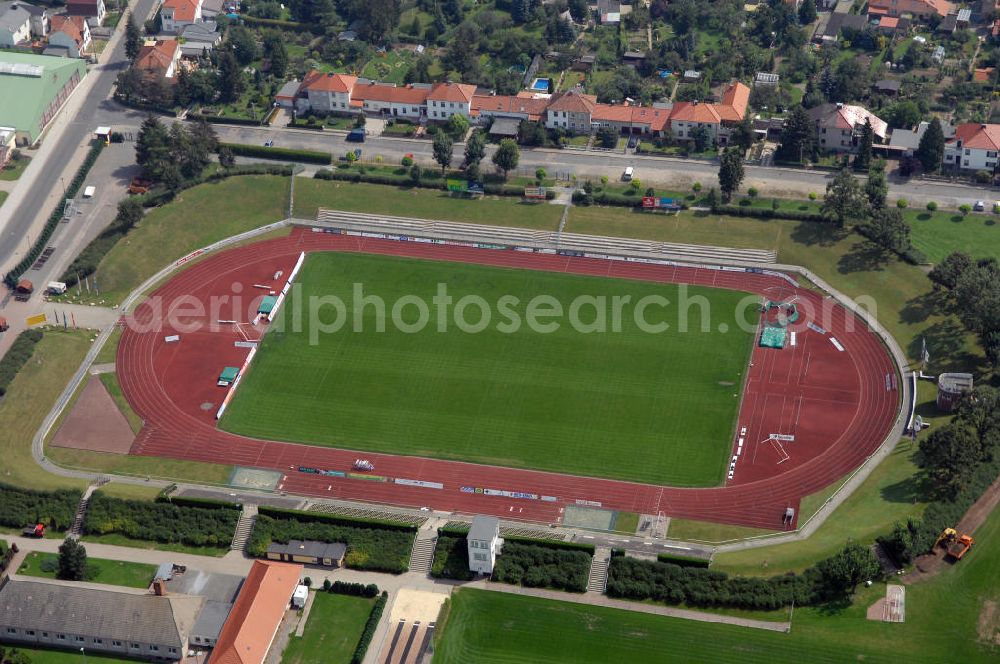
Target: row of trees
[
  {"x": 830, "y": 579},
  {"x": 160, "y": 522},
  {"x": 539, "y": 566},
  {"x": 17, "y": 356},
  {"x": 25, "y": 507},
  {"x": 973, "y": 288}
]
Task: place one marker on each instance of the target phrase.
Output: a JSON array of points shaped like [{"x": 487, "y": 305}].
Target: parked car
[
  {"x": 979, "y": 206},
  {"x": 356, "y": 135},
  {"x": 627, "y": 175}
]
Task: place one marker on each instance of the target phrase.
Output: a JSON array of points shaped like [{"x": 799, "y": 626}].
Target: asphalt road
[
  {"x": 93, "y": 110},
  {"x": 676, "y": 172}
]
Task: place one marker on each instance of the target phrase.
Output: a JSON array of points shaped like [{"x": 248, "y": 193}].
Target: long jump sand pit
[{"x": 95, "y": 423}]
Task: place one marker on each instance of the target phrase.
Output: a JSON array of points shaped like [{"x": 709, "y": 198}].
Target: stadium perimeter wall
[{"x": 503, "y": 237}]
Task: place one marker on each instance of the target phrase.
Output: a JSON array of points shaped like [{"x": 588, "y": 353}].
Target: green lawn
[
  {"x": 99, "y": 570},
  {"x": 942, "y": 624},
  {"x": 511, "y": 399},
  {"x": 332, "y": 631},
  {"x": 311, "y": 194},
  {"x": 3, "y": 197},
  {"x": 14, "y": 168},
  {"x": 40, "y": 656},
  {"x": 937, "y": 234},
  {"x": 199, "y": 216},
  {"x": 110, "y": 381}
]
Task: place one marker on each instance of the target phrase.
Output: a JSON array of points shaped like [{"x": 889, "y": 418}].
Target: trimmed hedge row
[
  {"x": 17, "y": 356},
  {"x": 540, "y": 566},
  {"x": 352, "y": 589},
  {"x": 683, "y": 561},
  {"x": 50, "y": 226},
  {"x": 160, "y": 522},
  {"x": 366, "y": 636},
  {"x": 204, "y": 503},
  {"x": 337, "y": 519},
  {"x": 379, "y": 546},
  {"x": 24, "y": 507},
  {"x": 768, "y": 213},
  {"x": 221, "y": 119},
  {"x": 404, "y": 180},
  {"x": 280, "y": 24},
  {"x": 281, "y": 154}
]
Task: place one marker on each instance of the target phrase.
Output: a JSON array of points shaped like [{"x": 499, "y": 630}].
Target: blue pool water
[{"x": 540, "y": 84}]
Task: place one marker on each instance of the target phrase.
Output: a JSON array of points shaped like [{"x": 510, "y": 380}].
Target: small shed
[
  {"x": 228, "y": 375},
  {"x": 888, "y": 86},
  {"x": 505, "y": 127},
  {"x": 326, "y": 554},
  {"x": 692, "y": 75}
]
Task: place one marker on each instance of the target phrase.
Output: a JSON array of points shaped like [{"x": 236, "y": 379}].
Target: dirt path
[{"x": 930, "y": 564}]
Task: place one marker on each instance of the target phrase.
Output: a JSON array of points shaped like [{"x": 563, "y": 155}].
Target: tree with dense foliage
[
  {"x": 797, "y": 137},
  {"x": 579, "y": 11},
  {"x": 231, "y": 82},
  {"x": 951, "y": 268},
  {"x": 607, "y": 137},
  {"x": 243, "y": 44},
  {"x": 889, "y": 230},
  {"x": 842, "y": 572},
  {"x": 863, "y": 159},
  {"x": 507, "y": 156},
  {"x": 807, "y": 12},
  {"x": 152, "y": 147},
  {"x": 844, "y": 200},
  {"x": 72, "y": 560},
  {"x": 876, "y": 187},
  {"x": 443, "y": 146},
  {"x": 133, "y": 38},
  {"x": 277, "y": 54},
  {"x": 930, "y": 151},
  {"x": 475, "y": 148},
  {"x": 904, "y": 114},
  {"x": 743, "y": 134},
  {"x": 700, "y": 138},
  {"x": 457, "y": 126},
  {"x": 730, "y": 172}
]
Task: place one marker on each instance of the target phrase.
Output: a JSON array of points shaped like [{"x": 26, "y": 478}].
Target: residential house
[
  {"x": 839, "y": 126},
  {"x": 8, "y": 143},
  {"x": 974, "y": 147},
  {"x": 916, "y": 8},
  {"x": 175, "y": 14},
  {"x": 326, "y": 93},
  {"x": 308, "y": 552},
  {"x": 15, "y": 24},
  {"x": 523, "y": 106},
  {"x": 715, "y": 118},
  {"x": 50, "y": 614},
  {"x": 948, "y": 25},
  {"x": 484, "y": 543},
  {"x": 448, "y": 99},
  {"x": 409, "y": 101},
  {"x": 40, "y": 18},
  {"x": 906, "y": 141},
  {"x": 288, "y": 94},
  {"x": 71, "y": 33},
  {"x": 633, "y": 58},
  {"x": 199, "y": 39},
  {"x": 571, "y": 111},
  {"x": 212, "y": 8},
  {"x": 837, "y": 23},
  {"x": 584, "y": 63},
  {"x": 158, "y": 59},
  {"x": 93, "y": 9},
  {"x": 609, "y": 12}
]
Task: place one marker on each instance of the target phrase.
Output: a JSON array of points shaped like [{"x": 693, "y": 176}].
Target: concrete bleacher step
[
  {"x": 422, "y": 555},
  {"x": 248, "y": 516},
  {"x": 598, "y": 580}
]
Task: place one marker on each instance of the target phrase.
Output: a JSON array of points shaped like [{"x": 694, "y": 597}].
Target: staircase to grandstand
[
  {"x": 422, "y": 556},
  {"x": 244, "y": 527},
  {"x": 598, "y": 580},
  {"x": 81, "y": 508},
  {"x": 549, "y": 240}
]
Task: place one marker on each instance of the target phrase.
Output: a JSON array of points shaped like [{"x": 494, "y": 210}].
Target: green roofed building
[
  {"x": 267, "y": 304},
  {"x": 34, "y": 89}
]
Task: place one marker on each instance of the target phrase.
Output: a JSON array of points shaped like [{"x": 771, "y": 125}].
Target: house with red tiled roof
[
  {"x": 518, "y": 107},
  {"x": 974, "y": 147},
  {"x": 407, "y": 101},
  {"x": 175, "y": 14},
  {"x": 253, "y": 622},
  {"x": 916, "y": 8},
  {"x": 715, "y": 118},
  {"x": 326, "y": 92},
  {"x": 571, "y": 111},
  {"x": 71, "y": 33},
  {"x": 982, "y": 74},
  {"x": 839, "y": 126},
  {"x": 631, "y": 119},
  {"x": 158, "y": 59},
  {"x": 447, "y": 99}
]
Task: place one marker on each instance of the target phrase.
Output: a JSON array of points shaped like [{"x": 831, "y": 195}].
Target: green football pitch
[{"x": 628, "y": 404}]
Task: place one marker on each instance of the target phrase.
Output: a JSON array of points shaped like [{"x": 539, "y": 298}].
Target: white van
[{"x": 627, "y": 175}]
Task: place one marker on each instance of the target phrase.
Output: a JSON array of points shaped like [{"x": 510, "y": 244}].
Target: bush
[
  {"x": 352, "y": 589},
  {"x": 451, "y": 559},
  {"x": 931, "y": 206},
  {"x": 205, "y": 503},
  {"x": 281, "y": 154},
  {"x": 766, "y": 213},
  {"x": 901, "y": 203},
  {"x": 812, "y": 195},
  {"x": 25, "y": 507},
  {"x": 381, "y": 546},
  {"x": 307, "y": 582},
  {"x": 407, "y": 162},
  {"x": 221, "y": 119},
  {"x": 752, "y": 192},
  {"x": 683, "y": 561},
  {"x": 366, "y": 636},
  {"x": 167, "y": 523},
  {"x": 538, "y": 564},
  {"x": 696, "y": 187},
  {"x": 17, "y": 356},
  {"x": 965, "y": 209}
]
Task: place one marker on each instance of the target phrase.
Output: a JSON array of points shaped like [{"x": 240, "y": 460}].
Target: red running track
[{"x": 838, "y": 404}]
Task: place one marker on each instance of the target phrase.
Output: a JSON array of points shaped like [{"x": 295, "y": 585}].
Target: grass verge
[
  {"x": 99, "y": 570},
  {"x": 332, "y": 631},
  {"x": 110, "y": 382},
  {"x": 115, "y": 539}
]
